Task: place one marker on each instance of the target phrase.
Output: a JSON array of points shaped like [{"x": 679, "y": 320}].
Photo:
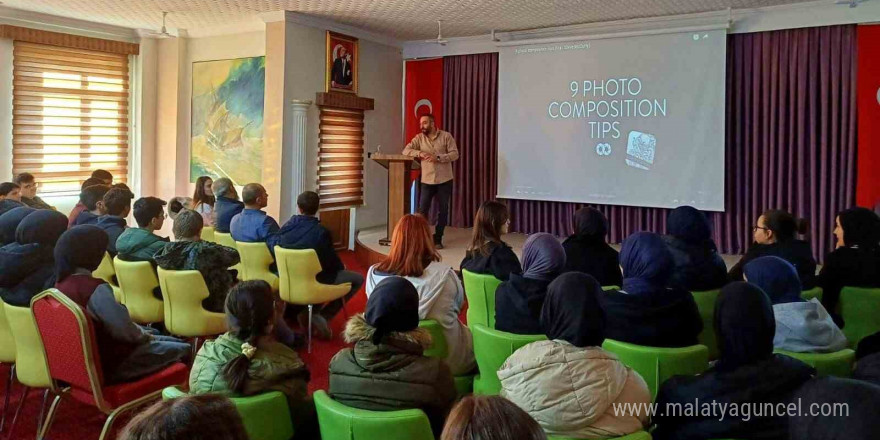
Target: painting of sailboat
[{"x": 227, "y": 119}]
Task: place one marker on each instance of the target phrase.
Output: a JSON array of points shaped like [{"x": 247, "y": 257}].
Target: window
[
  {"x": 70, "y": 115},
  {"x": 341, "y": 158}
]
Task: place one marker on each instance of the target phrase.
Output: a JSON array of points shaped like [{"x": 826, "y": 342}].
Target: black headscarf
[
  {"x": 42, "y": 227},
  {"x": 647, "y": 263},
  {"x": 776, "y": 277},
  {"x": 9, "y": 221},
  {"x": 861, "y": 227},
  {"x": 859, "y": 421},
  {"x": 590, "y": 224},
  {"x": 689, "y": 225},
  {"x": 392, "y": 307},
  {"x": 572, "y": 311},
  {"x": 744, "y": 326},
  {"x": 82, "y": 246}
]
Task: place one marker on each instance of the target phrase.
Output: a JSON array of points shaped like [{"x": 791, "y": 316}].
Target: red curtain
[{"x": 868, "y": 186}]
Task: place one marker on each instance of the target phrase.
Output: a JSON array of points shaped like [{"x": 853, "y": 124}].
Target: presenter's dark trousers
[{"x": 443, "y": 193}]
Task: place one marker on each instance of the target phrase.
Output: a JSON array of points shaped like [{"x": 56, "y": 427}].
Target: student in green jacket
[{"x": 141, "y": 243}]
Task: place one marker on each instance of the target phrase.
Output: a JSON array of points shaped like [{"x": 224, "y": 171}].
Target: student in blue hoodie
[
  {"x": 117, "y": 203},
  {"x": 304, "y": 231}
]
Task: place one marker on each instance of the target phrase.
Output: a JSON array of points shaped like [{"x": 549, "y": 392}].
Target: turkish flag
[
  {"x": 424, "y": 94},
  {"x": 868, "y": 89}
]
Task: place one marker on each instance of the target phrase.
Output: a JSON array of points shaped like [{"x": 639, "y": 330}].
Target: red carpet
[{"x": 77, "y": 421}]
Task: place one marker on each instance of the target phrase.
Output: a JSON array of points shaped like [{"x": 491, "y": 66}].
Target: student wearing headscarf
[
  {"x": 386, "y": 369},
  {"x": 9, "y": 223},
  {"x": 27, "y": 264},
  {"x": 698, "y": 266},
  {"x": 747, "y": 373},
  {"x": 868, "y": 359},
  {"x": 856, "y": 261},
  {"x": 858, "y": 420},
  {"x": 801, "y": 326},
  {"x": 518, "y": 301},
  {"x": 586, "y": 250},
  {"x": 646, "y": 311},
  {"x": 568, "y": 383}
]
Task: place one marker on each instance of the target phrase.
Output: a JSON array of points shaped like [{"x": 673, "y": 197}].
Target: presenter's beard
[{"x": 425, "y": 131}]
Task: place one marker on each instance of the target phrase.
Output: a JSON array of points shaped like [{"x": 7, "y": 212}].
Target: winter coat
[
  {"x": 518, "y": 303},
  {"x": 668, "y": 318},
  {"x": 9, "y": 205},
  {"x": 306, "y": 232},
  {"x": 572, "y": 391},
  {"x": 500, "y": 261},
  {"x": 25, "y": 271},
  {"x": 211, "y": 259},
  {"x": 393, "y": 375},
  {"x": 36, "y": 203},
  {"x": 806, "y": 327},
  {"x": 136, "y": 244},
  {"x": 114, "y": 227},
  {"x": 593, "y": 257},
  {"x": 224, "y": 209},
  {"x": 698, "y": 267}
]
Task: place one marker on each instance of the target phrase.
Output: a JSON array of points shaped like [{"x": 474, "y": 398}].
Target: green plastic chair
[
  {"x": 815, "y": 292},
  {"x": 656, "y": 364},
  {"x": 225, "y": 239},
  {"x": 639, "y": 435},
  {"x": 265, "y": 416},
  {"x": 706, "y": 305},
  {"x": 340, "y": 422},
  {"x": 492, "y": 348},
  {"x": 860, "y": 308},
  {"x": 839, "y": 363},
  {"x": 480, "y": 292},
  {"x": 610, "y": 288},
  {"x": 439, "y": 349}
]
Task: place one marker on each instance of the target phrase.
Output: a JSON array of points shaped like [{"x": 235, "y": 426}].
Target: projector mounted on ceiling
[
  {"x": 851, "y": 3},
  {"x": 439, "y": 40}
]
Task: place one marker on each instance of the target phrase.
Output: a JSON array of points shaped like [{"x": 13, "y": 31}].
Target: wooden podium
[{"x": 398, "y": 167}]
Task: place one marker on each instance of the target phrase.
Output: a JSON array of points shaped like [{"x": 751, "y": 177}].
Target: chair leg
[
  {"x": 344, "y": 310},
  {"x": 309, "y": 330},
  {"x": 6, "y": 398},
  {"x": 195, "y": 349},
  {"x": 50, "y": 417},
  {"x": 27, "y": 390},
  {"x": 111, "y": 419}
]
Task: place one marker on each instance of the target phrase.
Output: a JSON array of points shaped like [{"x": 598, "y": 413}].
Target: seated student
[
  {"x": 10, "y": 197},
  {"x": 518, "y": 301},
  {"x": 80, "y": 206},
  {"x": 441, "y": 295},
  {"x": 27, "y": 265},
  {"x": 28, "y": 186},
  {"x": 127, "y": 350},
  {"x": 856, "y": 420},
  {"x": 586, "y": 250},
  {"x": 178, "y": 204},
  {"x": 253, "y": 225},
  {"x": 698, "y": 266},
  {"x": 747, "y": 373},
  {"x": 117, "y": 204},
  {"x": 775, "y": 235},
  {"x": 248, "y": 360},
  {"x": 490, "y": 418},
  {"x": 386, "y": 369},
  {"x": 92, "y": 199},
  {"x": 202, "y": 417},
  {"x": 801, "y": 326},
  {"x": 203, "y": 199},
  {"x": 226, "y": 205},
  {"x": 868, "y": 359},
  {"x": 190, "y": 252},
  {"x": 569, "y": 384},
  {"x": 645, "y": 311},
  {"x": 141, "y": 243},
  {"x": 9, "y": 223},
  {"x": 104, "y": 176},
  {"x": 487, "y": 253},
  {"x": 304, "y": 231},
  {"x": 856, "y": 260}
]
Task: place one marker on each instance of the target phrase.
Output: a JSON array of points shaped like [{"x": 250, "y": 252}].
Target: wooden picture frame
[{"x": 341, "y": 74}]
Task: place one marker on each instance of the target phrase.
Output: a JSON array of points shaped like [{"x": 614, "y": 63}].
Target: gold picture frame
[{"x": 341, "y": 73}]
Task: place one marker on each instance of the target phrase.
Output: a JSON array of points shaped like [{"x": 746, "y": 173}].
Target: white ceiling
[{"x": 398, "y": 19}]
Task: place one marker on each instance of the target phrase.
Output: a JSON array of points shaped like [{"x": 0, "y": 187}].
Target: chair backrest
[
  {"x": 297, "y": 269},
  {"x": 137, "y": 279},
  {"x": 255, "y": 263},
  {"x": 105, "y": 271},
  {"x": 30, "y": 357},
  {"x": 840, "y": 363},
  {"x": 69, "y": 340},
  {"x": 208, "y": 234},
  {"x": 7, "y": 342},
  {"x": 815, "y": 292},
  {"x": 480, "y": 292},
  {"x": 492, "y": 348},
  {"x": 610, "y": 288},
  {"x": 340, "y": 422},
  {"x": 656, "y": 364},
  {"x": 225, "y": 239},
  {"x": 439, "y": 348},
  {"x": 183, "y": 292},
  {"x": 706, "y": 306},
  {"x": 860, "y": 308},
  {"x": 265, "y": 416}
]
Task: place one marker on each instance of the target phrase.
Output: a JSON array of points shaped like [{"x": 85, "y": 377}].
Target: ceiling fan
[
  {"x": 163, "y": 33},
  {"x": 851, "y": 3},
  {"x": 439, "y": 40}
]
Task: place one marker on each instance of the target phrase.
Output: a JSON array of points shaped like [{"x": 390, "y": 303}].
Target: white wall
[{"x": 5, "y": 110}]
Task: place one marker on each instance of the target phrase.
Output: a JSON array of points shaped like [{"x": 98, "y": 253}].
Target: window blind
[
  {"x": 70, "y": 115},
  {"x": 341, "y": 158}
]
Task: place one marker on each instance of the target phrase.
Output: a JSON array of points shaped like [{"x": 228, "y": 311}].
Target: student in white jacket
[
  {"x": 569, "y": 384},
  {"x": 441, "y": 294}
]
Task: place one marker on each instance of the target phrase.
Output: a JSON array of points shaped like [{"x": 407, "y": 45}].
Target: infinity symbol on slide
[{"x": 603, "y": 149}]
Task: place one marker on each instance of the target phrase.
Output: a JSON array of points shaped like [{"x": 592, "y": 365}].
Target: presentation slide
[{"x": 636, "y": 121}]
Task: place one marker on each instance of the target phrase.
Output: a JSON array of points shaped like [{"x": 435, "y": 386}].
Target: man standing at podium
[{"x": 437, "y": 150}]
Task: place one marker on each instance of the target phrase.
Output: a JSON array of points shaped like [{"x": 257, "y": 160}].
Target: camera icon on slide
[
  {"x": 640, "y": 150},
  {"x": 603, "y": 149}
]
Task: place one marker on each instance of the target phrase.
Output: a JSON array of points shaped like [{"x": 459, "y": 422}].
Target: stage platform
[{"x": 369, "y": 251}]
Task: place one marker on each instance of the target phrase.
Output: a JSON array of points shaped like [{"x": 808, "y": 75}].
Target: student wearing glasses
[
  {"x": 775, "y": 234},
  {"x": 29, "y": 186}
]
